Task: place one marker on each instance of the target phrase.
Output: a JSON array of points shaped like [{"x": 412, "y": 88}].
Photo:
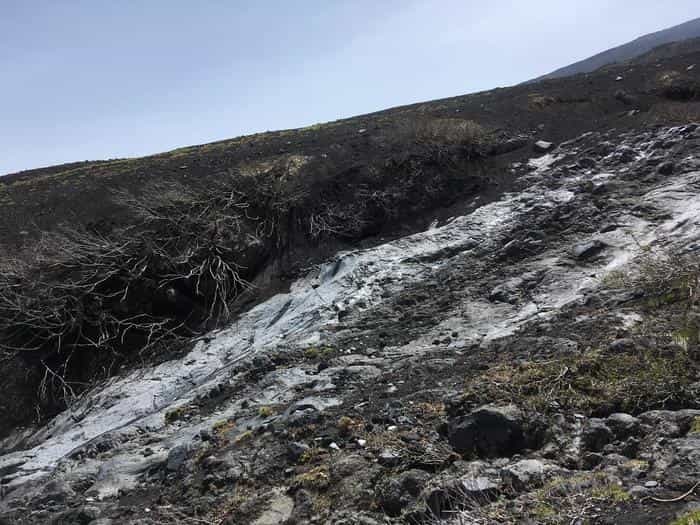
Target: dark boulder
[
  {"x": 596, "y": 435},
  {"x": 489, "y": 432},
  {"x": 666, "y": 168},
  {"x": 396, "y": 493},
  {"x": 623, "y": 425}
]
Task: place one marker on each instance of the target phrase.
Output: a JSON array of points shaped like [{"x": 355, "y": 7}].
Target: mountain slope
[
  {"x": 633, "y": 49},
  {"x": 482, "y": 309}
]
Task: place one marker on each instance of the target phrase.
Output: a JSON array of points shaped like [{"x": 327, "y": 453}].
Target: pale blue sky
[{"x": 95, "y": 79}]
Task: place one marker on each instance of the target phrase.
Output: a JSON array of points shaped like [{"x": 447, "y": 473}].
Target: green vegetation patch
[
  {"x": 695, "y": 426},
  {"x": 691, "y": 518},
  {"x": 318, "y": 478},
  {"x": 178, "y": 413},
  {"x": 592, "y": 383},
  {"x": 562, "y": 499},
  {"x": 320, "y": 352}
]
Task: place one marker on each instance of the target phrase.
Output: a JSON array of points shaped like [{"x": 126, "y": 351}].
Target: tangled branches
[
  {"x": 81, "y": 300},
  {"x": 85, "y": 299}
]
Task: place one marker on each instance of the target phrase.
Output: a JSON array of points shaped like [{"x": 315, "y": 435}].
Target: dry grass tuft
[{"x": 592, "y": 383}]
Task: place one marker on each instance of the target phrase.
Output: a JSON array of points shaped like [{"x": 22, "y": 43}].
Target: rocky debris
[
  {"x": 518, "y": 248},
  {"x": 624, "y": 344},
  {"x": 279, "y": 509},
  {"x": 588, "y": 249},
  {"x": 514, "y": 289},
  {"x": 669, "y": 423},
  {"x": 395, "y": 494},
  {"x": 176, "y": 458},
  {"x": 295, "y": 451},
  {"x": 57, "y": 491},
  {"x": 482, "y": 488},
  {"x": 389, "y": 458},
  {"x": 665, "y": 168},
  {"x": 623, "y": 426},
  {"x": 509, "y": 145},
  {"x": 505, "y": 293},
  {"x": 596, "y": 434},
  {"x": 524, "y": 474},
  {"x": 88, "y": 514}
]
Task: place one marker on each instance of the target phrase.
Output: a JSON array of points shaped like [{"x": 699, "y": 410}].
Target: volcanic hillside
[{"x": 481, "y": 309}]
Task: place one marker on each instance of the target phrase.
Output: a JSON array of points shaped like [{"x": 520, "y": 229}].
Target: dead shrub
[
  {"x": 82, "y": 300},
  {"x": 662, "y": 276},
  {"x": 446, "y": 131}
]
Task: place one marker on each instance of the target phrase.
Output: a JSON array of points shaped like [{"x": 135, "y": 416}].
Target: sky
[{"x": 98, "y": 79}]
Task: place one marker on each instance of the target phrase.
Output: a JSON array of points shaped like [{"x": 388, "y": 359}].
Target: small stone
[
  {"x": 176, "y": 458},
  {"x": 396, "y": 493},
  {"x": 525, "y": 473},
  {"x": 279, "y": 510},
  {"x": 588, "y": 249},
  {"x": 666, "y": 168},
  {"x": 596, "y": 435},
  {"x": 57, "y": 491},
  {"x": 392, "y": 428},
  {"x": 334, "y": 446},
  {"x": 362, "y": 442},
  {"x": 590, "y": 460},
  {"x": 586, "y": 163},
  {"x": 478, "y": 486},
  {"x": 212, "y": 463},
  {"x": 624, "y": 344},
  {"x": 623, "y": 425},
  {"x": 637, "y": 491},
  {"x": 389, "y": 458},
  {"x": 542, "y": 146},
  {"x": 651, "y": 484},
  {"x": 296, "y": 450}
]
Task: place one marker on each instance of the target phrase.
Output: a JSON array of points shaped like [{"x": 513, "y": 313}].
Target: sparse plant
[
  {"x": 176, "y": 414},
  {"x": 319, "y": 352},
  {"x": 266, "y": 411},
  {"x": 446, "y": 131},
  {"x": 595, "y": 382},
  {"x": 317, "y": 478},
  {"x": 689, "y": 518}
]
